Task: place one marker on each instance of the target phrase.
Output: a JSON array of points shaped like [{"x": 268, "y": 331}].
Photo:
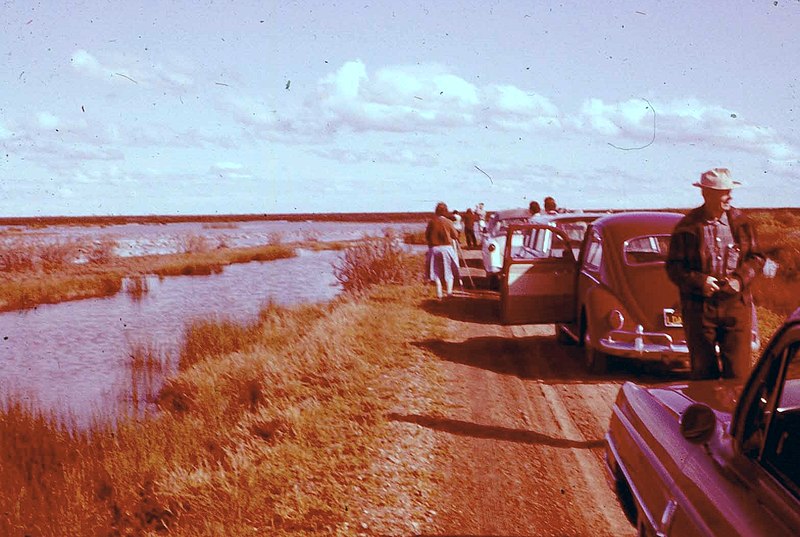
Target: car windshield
[
  {"x": 502, "y": 225},
  {"x": 645, "y": 250},
  {"x": 574, "y": 230}
]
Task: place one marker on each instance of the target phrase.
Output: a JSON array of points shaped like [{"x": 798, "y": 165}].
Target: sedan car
[
  {"x": 713, "y": 457},
  {"x": 493, "y": 240}
]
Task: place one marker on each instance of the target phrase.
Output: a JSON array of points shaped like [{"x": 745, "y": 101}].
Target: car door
[{"x": 538, "y": 276}]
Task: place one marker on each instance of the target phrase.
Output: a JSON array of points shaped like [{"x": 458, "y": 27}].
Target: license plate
[{"x": 672, "y": 318}]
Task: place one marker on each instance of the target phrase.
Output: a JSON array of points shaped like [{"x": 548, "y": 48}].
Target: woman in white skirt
[{"x": 441, "y": 261}]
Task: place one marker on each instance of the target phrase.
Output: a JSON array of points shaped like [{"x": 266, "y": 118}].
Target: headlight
[
  {"x": 492, "y": 247},
  {"x": 616, "y": 319}
]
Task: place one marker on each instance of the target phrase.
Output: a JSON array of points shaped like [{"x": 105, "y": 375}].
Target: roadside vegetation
[
  {"x": 264, "y": 428},
  {"x": 271, "y": 427}
]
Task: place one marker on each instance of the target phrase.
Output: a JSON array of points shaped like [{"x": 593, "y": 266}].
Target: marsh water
[{"x": 73, "y": 357}]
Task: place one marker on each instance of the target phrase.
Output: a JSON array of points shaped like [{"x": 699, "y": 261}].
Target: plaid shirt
[{"x": 690, "y": 259}]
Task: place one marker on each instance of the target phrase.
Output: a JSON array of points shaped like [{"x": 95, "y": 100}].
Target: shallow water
[{"x": 72, "y": 357}]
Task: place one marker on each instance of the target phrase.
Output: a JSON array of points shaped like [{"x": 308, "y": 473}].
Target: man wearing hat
[{"x": 713, "y": 258}]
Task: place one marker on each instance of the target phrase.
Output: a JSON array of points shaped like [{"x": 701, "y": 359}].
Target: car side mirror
[{"x": 697, "y": 423}]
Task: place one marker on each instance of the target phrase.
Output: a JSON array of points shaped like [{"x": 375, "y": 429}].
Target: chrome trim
[
  {"x": 654, "y": 346},
  {"x": 667, "y": 518}
]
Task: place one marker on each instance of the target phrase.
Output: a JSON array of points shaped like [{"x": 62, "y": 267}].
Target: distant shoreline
[
  {"x": 400, "y": 217},
  {"x": 172, "y": 219}
]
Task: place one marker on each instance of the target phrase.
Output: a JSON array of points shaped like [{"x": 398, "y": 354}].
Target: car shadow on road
[
  {"x": 493, "y": 432},
  {"x": 468, "y": 308},
  {"x": 540, "y": 358}
]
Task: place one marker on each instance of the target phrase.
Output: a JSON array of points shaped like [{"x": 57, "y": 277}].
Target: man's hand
[
  {"x": 710, "y": 286},
  {"x": 734, "y": 284}
]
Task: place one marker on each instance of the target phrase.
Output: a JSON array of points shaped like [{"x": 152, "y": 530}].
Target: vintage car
[
  {"x": 493, "y": 240},
  {"x": 613, "y": 298},
  {"x": 713, "y": 457}
]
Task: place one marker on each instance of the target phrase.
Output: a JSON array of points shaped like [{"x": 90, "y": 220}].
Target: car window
[
  {"x": 781, "y": 451},
  {"x": 649, "y": 249},
  {"x": 574, "y": 230},
  {"x": 594, "y": 254}
]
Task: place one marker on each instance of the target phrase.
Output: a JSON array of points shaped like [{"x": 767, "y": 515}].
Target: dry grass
[
  {"x": 22, "y": 289},
  {"x": 371, "y": 261},
  {"x": 266, "y": 434}
]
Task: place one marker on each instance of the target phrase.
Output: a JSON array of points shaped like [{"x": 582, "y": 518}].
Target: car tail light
[
  {"x": 492, "y": 247},
  {"x": 616, "y": 319}
]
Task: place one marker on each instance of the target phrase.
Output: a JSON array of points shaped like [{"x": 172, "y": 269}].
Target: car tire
[{"x": 596, "y": 361}]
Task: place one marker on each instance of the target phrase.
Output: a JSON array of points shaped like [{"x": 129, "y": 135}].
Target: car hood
[{"x": 720, "y": 395}]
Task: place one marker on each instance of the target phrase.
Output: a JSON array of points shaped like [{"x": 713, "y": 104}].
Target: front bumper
[{"x": 641, "y": 345}]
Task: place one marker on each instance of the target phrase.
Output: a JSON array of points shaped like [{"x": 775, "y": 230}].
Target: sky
[{"x": 218, "y": 107}]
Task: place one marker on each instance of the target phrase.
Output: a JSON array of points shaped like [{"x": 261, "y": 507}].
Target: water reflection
[{"x": 73, "y": 355}]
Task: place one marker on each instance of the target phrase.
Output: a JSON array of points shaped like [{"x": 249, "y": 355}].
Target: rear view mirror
[{"x": 697, "y": 423}]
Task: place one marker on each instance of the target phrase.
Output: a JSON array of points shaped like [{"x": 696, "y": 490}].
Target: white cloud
[
  {"x": 402, "y": 98},
  {"x": 129, "y": 70},
  {"x": 685, "y": 121},
  {"x": 46, "y": 120}
]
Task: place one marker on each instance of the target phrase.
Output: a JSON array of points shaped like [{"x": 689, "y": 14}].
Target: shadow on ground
[
  {"x": 491, "y": 432},
  {"x": 471, "y": 308},
  {"x": 540, "y": 358}
]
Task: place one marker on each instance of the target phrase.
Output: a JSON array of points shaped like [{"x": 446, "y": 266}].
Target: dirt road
[{"x": 523, "y": 434}]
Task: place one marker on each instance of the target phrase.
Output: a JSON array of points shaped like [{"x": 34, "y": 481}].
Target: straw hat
[{"x": 717, "y": 179}]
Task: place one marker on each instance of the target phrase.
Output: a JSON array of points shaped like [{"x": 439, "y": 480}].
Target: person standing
[
  {"x": 713, "y": 258},
  {"x": 458, "y": 224},
  {"x": 469, "y": 229},
  {"x": 441, "y": 262},
  {"x": 480, "y": 216},
  {"x": 535, "y": 209}
]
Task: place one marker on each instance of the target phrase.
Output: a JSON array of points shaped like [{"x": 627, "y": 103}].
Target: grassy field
[{"x": 267, "y": 428}]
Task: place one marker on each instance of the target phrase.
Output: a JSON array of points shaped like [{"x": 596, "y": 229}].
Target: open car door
[{"x": 538, "y": 278}]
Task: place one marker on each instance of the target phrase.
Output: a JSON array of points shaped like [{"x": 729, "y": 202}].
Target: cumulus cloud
[
  {"x": 402, "y": 98},
  {"x": 684, "y": 121},
  {"x": 131, "y": 70}
]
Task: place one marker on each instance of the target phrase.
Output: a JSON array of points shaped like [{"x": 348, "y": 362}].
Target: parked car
[
  {"x": 713, "y": 457},
  {"x": 615, "y": 300},
  {"x": 493, "y": 240}
]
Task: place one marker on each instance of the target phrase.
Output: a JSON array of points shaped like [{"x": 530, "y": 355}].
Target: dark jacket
[
  {"x": 688, "y": 263},
  {"x": 440, "y": 231}
]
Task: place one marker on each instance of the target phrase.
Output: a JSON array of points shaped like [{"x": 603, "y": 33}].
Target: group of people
[
  {"x": 713, "y": 258},
  {"x": 468, "y": 225}
]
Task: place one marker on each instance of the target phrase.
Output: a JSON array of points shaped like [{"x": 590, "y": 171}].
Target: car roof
[
  {"x": 505, "y": 214},
  {"x": 566, "y": 217},
  {"x": 636, "y": 223}
]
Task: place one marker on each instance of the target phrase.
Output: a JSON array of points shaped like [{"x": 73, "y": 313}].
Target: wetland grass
[{"x": 264, "y": 429}]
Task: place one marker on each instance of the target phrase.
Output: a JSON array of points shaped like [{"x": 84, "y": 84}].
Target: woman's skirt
[{"x": 441, "y": 262}]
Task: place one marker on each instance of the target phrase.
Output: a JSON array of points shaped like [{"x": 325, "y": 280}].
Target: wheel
[{"x": 596, "y": 361}]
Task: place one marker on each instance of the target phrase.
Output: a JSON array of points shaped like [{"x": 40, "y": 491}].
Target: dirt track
[{"x": 523, "y": 434}]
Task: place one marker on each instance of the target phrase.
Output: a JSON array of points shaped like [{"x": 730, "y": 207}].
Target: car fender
[{"x": 596, "y": 305}]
